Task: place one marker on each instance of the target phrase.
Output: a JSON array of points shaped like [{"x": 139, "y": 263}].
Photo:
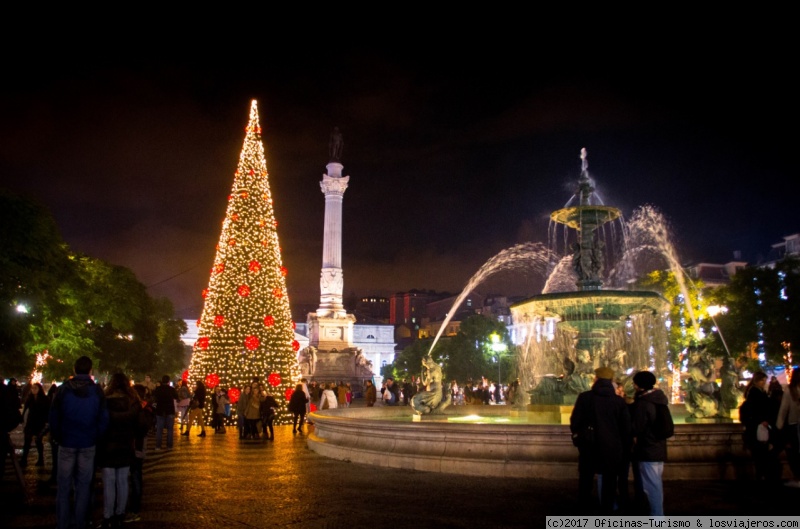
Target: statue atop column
[{"x": 335, "y": 145}]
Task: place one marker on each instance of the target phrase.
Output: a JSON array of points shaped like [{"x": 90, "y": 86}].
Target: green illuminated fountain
[{"x": 590, "y": 312}]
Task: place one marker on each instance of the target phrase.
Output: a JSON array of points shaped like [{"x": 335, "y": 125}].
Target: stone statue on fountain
[
  {"x": 702, "y": 392},
  {"x": 431, "y": 401},
  {"x": 582, "y": 377}
]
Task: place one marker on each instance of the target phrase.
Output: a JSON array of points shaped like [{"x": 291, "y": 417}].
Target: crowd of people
[
  {"x": 101, "y": 430},
  {"x": 617, "y": 435},
  {"x": 94, "y": 429}
]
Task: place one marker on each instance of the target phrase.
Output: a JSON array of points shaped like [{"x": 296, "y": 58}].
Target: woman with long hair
[
  {"x": 252, "y": 411},
  {"x": 35, "y": 411},
  {"x": 789, "y": 422},
  {"x": 115, "y": 451},
  {"x": 757, "y": 412}
]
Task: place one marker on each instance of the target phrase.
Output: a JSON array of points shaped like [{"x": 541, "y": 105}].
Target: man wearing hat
[
  {"x": 601, "y": 429},
  {"x": 649, "y": 452}
]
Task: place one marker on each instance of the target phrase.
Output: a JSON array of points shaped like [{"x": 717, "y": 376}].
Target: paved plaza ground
[{"x": 220, "y": 482}]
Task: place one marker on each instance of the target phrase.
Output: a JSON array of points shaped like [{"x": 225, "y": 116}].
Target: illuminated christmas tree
[{"x": 246, "y": 329}]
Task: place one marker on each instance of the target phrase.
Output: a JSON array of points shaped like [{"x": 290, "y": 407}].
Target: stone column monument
[{"x": 330, "y": 328}]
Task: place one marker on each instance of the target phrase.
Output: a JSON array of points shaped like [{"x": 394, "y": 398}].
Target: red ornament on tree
[
  {"x": 219, "y": 320},
  {"x": 294, "y": 325},
  {"x": 295, "y": 345},
  {"x": 185, "y": 376},
  {"x": 212, "y": 380},
  {"x": 202, "y": 343},
  {"x": 269, "y": 321},
  {"x": 274, "y": 379},
  {"x": 284, "y": 271},
  {"x": 219, "y": 268},
  {"x": 233, "y": 395},
  {"x": 204, "y": 293},
  {"x": 252, "y": 342},
  {"x": 288, "y": 393},
  {"x": 254, "y": 266},
  {"x": 244, "y": 291},
  {"x": 277, "y": 293}
]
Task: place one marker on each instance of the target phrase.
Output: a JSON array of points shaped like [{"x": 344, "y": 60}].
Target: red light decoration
[
  {"x": 277, "y": 293},
  {"x": 185, "y": 376},
  {"x": 294, "y": 325},
  {"x": 197, "y": 322},
  {"x": 288, "y": 393},
  {"x": 204, "y": 293},
  {"x": 284, "y": 271},
  {"x": 295, "y": 345},
  {"x": 244, "y": 194},
  {"x": 233, "y": 395},
  {"x": 252, "y": 342},
  {"x": 219, "y": 268},
  {"x": 232, "y": 242},
  {"x": 212, "y": 380},
  {"x": 219, "y": 320},
  {"x": 269, "y": 321},
  {"x": 244, "y": 291},
  {"x": 252, "y": 173},
  {"x": 254, "y": 266},
  {"x": 274, "y": 379},
  {"x": 202, "y": 343},
  {"x": 235, "y": 217}
]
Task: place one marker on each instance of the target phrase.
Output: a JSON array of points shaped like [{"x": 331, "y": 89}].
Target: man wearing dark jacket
[
  {"x": 78, "y": 418},
  {"x": 649, "y": 452},
  {"x": 601, "y": 428},
  {"x": 164, "y": 397}
]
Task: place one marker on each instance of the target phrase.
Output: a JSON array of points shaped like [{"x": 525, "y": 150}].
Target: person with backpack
[{"x": 652, "y": 426}]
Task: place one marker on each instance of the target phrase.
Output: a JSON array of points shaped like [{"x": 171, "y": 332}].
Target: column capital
[{"x": 331, "y": 185}]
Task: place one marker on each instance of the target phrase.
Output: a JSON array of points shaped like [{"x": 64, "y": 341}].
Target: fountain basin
[{"x": 388, "y": 437}]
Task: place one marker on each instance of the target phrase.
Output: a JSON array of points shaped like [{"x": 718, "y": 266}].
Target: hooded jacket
[
  {"x": 78, "y": 416},
  {"x": 643, "y": 414}
]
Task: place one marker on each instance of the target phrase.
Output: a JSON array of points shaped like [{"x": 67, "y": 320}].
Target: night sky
[{"x": 453, "y": 153}]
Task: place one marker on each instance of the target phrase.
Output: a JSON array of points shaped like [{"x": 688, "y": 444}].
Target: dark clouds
[{"x": 454, "y": 153}]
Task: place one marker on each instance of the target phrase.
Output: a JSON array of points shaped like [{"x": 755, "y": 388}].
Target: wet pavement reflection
[{"x": 219, "y": 481}]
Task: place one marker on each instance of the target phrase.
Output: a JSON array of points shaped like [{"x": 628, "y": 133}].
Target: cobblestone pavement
[{"x": 219, "y": 481}]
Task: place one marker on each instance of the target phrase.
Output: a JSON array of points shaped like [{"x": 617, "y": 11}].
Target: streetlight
[{"x": 498, "y": 347}]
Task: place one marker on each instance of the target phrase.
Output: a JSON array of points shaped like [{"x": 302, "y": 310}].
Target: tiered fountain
[
  {"x": 590, "y": 312},
  {"x": 505, "y": 441}
]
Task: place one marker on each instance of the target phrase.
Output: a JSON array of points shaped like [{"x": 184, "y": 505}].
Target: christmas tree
[{"x": 246, "y": 328}]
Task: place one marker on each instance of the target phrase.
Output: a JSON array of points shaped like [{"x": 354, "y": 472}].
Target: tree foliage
[
  {"x": 76, "y": 305},
  {"x": 466, "y": 356},
  {"x": 763, "y": 311},
  {"x": 687, "y": 312}
]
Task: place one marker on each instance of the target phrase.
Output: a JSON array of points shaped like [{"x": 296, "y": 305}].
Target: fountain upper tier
[{"x": 580, "y": 217}]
